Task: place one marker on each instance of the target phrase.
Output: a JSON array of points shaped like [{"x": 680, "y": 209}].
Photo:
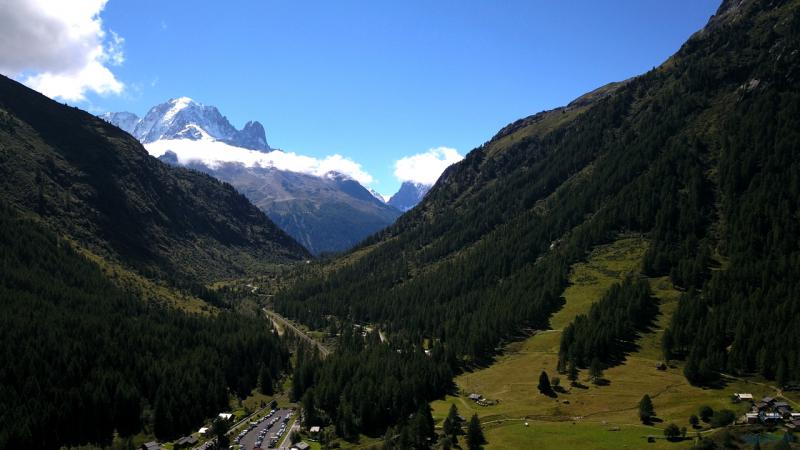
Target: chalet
[
  {"x": 203, "y": 430},
  {"x": 315, "y": 429},
  {"x": 752, "y": 417},
  {"x": 301, "y": 446},
  {"x": 795, "y": 415},
  {"x": 743, "y": 397},
  {"x": 475, "y": 397},
  {"x": 225, "y": 416}
]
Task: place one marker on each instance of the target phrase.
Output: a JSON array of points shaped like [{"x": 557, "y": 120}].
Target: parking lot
[{"x": 267, "y": 432}]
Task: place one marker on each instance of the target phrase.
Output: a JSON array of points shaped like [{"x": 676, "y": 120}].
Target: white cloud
[
  {"x": 59, "y": 47},
  {"x": 426, "y": 167},
  {"x": 213, "y": 153}
]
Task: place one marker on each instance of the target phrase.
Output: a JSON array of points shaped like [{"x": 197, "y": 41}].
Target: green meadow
[{"x": 590, "y": 416}]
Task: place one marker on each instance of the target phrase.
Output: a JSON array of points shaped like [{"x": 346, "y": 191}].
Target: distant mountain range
[
  {"x": 184, "y": 118},
  {"x": 326, "y": 212}
]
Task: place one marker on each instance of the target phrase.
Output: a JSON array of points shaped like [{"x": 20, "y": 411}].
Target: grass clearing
[{"x": 584, "y": 417}]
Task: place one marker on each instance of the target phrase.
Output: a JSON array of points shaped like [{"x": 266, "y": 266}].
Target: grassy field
[{"x": 589, "y": 416}]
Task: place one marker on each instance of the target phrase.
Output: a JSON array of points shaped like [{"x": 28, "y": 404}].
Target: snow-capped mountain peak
[
  {"x": 409, "y": 195},
  {"x": 184, "y": 118},
  {"x": 378, "y": 195}
]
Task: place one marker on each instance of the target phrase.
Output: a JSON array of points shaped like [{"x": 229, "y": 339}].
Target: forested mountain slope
[
  {"x": 700, "y": 154},
  {"x": 83, "y": 358},
  {"x": 92, "y": 229},
  {"x": 98, "y": 185}
]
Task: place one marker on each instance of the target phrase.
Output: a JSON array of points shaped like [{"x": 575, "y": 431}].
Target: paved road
[
  {"x": 248, "y": 441},
  {"x": 324, "y": 351}
]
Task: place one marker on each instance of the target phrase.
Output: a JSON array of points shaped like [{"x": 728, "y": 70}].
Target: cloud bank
[
  {"x": 59, "y": 48},
  {"x": 214, "y": 153},
  {"x": 425, "y": 168}
]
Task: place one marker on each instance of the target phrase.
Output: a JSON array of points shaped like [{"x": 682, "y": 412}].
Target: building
[
  {"x": 150, "y": 446},
  {"x": 301, "y": 446},
  {"x": 743, "y": 396},
  {"x": 203, "y": 430},
  {"x": 752, "y": 417},
  {"x": 315, "y": 429},
  {"x": 185, "y": 442},
  {"x": 770, "y": 417},
  {"x": 225, "y": 416},
  {"x": 475, "y": 397}
]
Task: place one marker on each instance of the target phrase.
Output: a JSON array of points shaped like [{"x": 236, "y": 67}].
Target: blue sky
[{"x": 376, "y": 81}]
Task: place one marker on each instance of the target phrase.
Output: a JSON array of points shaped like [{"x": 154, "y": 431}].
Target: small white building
[
  {"x": 225, "y": 416},
  {"x": 315, "y": 429},
  {"x": 743, "y": 396},
  {"x": 203, "y": 430}
]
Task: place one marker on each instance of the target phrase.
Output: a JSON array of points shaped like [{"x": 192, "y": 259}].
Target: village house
[{"x": 185, "y": 442}]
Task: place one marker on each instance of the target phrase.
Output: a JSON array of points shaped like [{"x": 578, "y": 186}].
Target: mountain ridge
[
  {"x": 98, "y": 185},
  {"x": 184, "y": 118},
  {"x": 327, "y": 212},
  {"x": 698, "y": 156}
]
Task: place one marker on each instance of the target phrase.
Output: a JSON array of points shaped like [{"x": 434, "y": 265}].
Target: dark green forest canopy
[
  {"x": 700, "y": 154},
  {"x": 81, "y": 358}
]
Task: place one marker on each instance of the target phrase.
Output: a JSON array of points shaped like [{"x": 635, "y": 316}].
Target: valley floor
[{"x": 590, "y": 416}]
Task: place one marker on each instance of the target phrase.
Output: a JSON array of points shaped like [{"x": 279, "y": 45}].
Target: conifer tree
[
  {"x": 646, "y": 411},
  {"x": 475, "y": 438}
]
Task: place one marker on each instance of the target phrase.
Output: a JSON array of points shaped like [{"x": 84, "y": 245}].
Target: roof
[
  {"x": 151, "y": 445},
  {"x": 745, "y": 396},
  {"x": 314, "y": 429},
  {"x": 779, "y": 404},
  {"x": 202, "y": 430},
  {"x": 767, "y": 399},
  {"x": 301, "y": 446},
  {"x": 187, "y": 440},
  {"x": 225, "y": 416}
]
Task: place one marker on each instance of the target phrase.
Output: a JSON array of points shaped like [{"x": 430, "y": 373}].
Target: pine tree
[
  {"x": 475, "y": 438},
  {"x": 452, "y": 423},
  {"x": 423, "y": 427},
  {"x": 646, "y": 411},
  {"x": 572, "y": 372},
  {"x": 596, "y": 370},
  {"x": 265, "y": 381},
  {"x": 781, "y": 377},
  {"x": 544, "y": 384}
]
